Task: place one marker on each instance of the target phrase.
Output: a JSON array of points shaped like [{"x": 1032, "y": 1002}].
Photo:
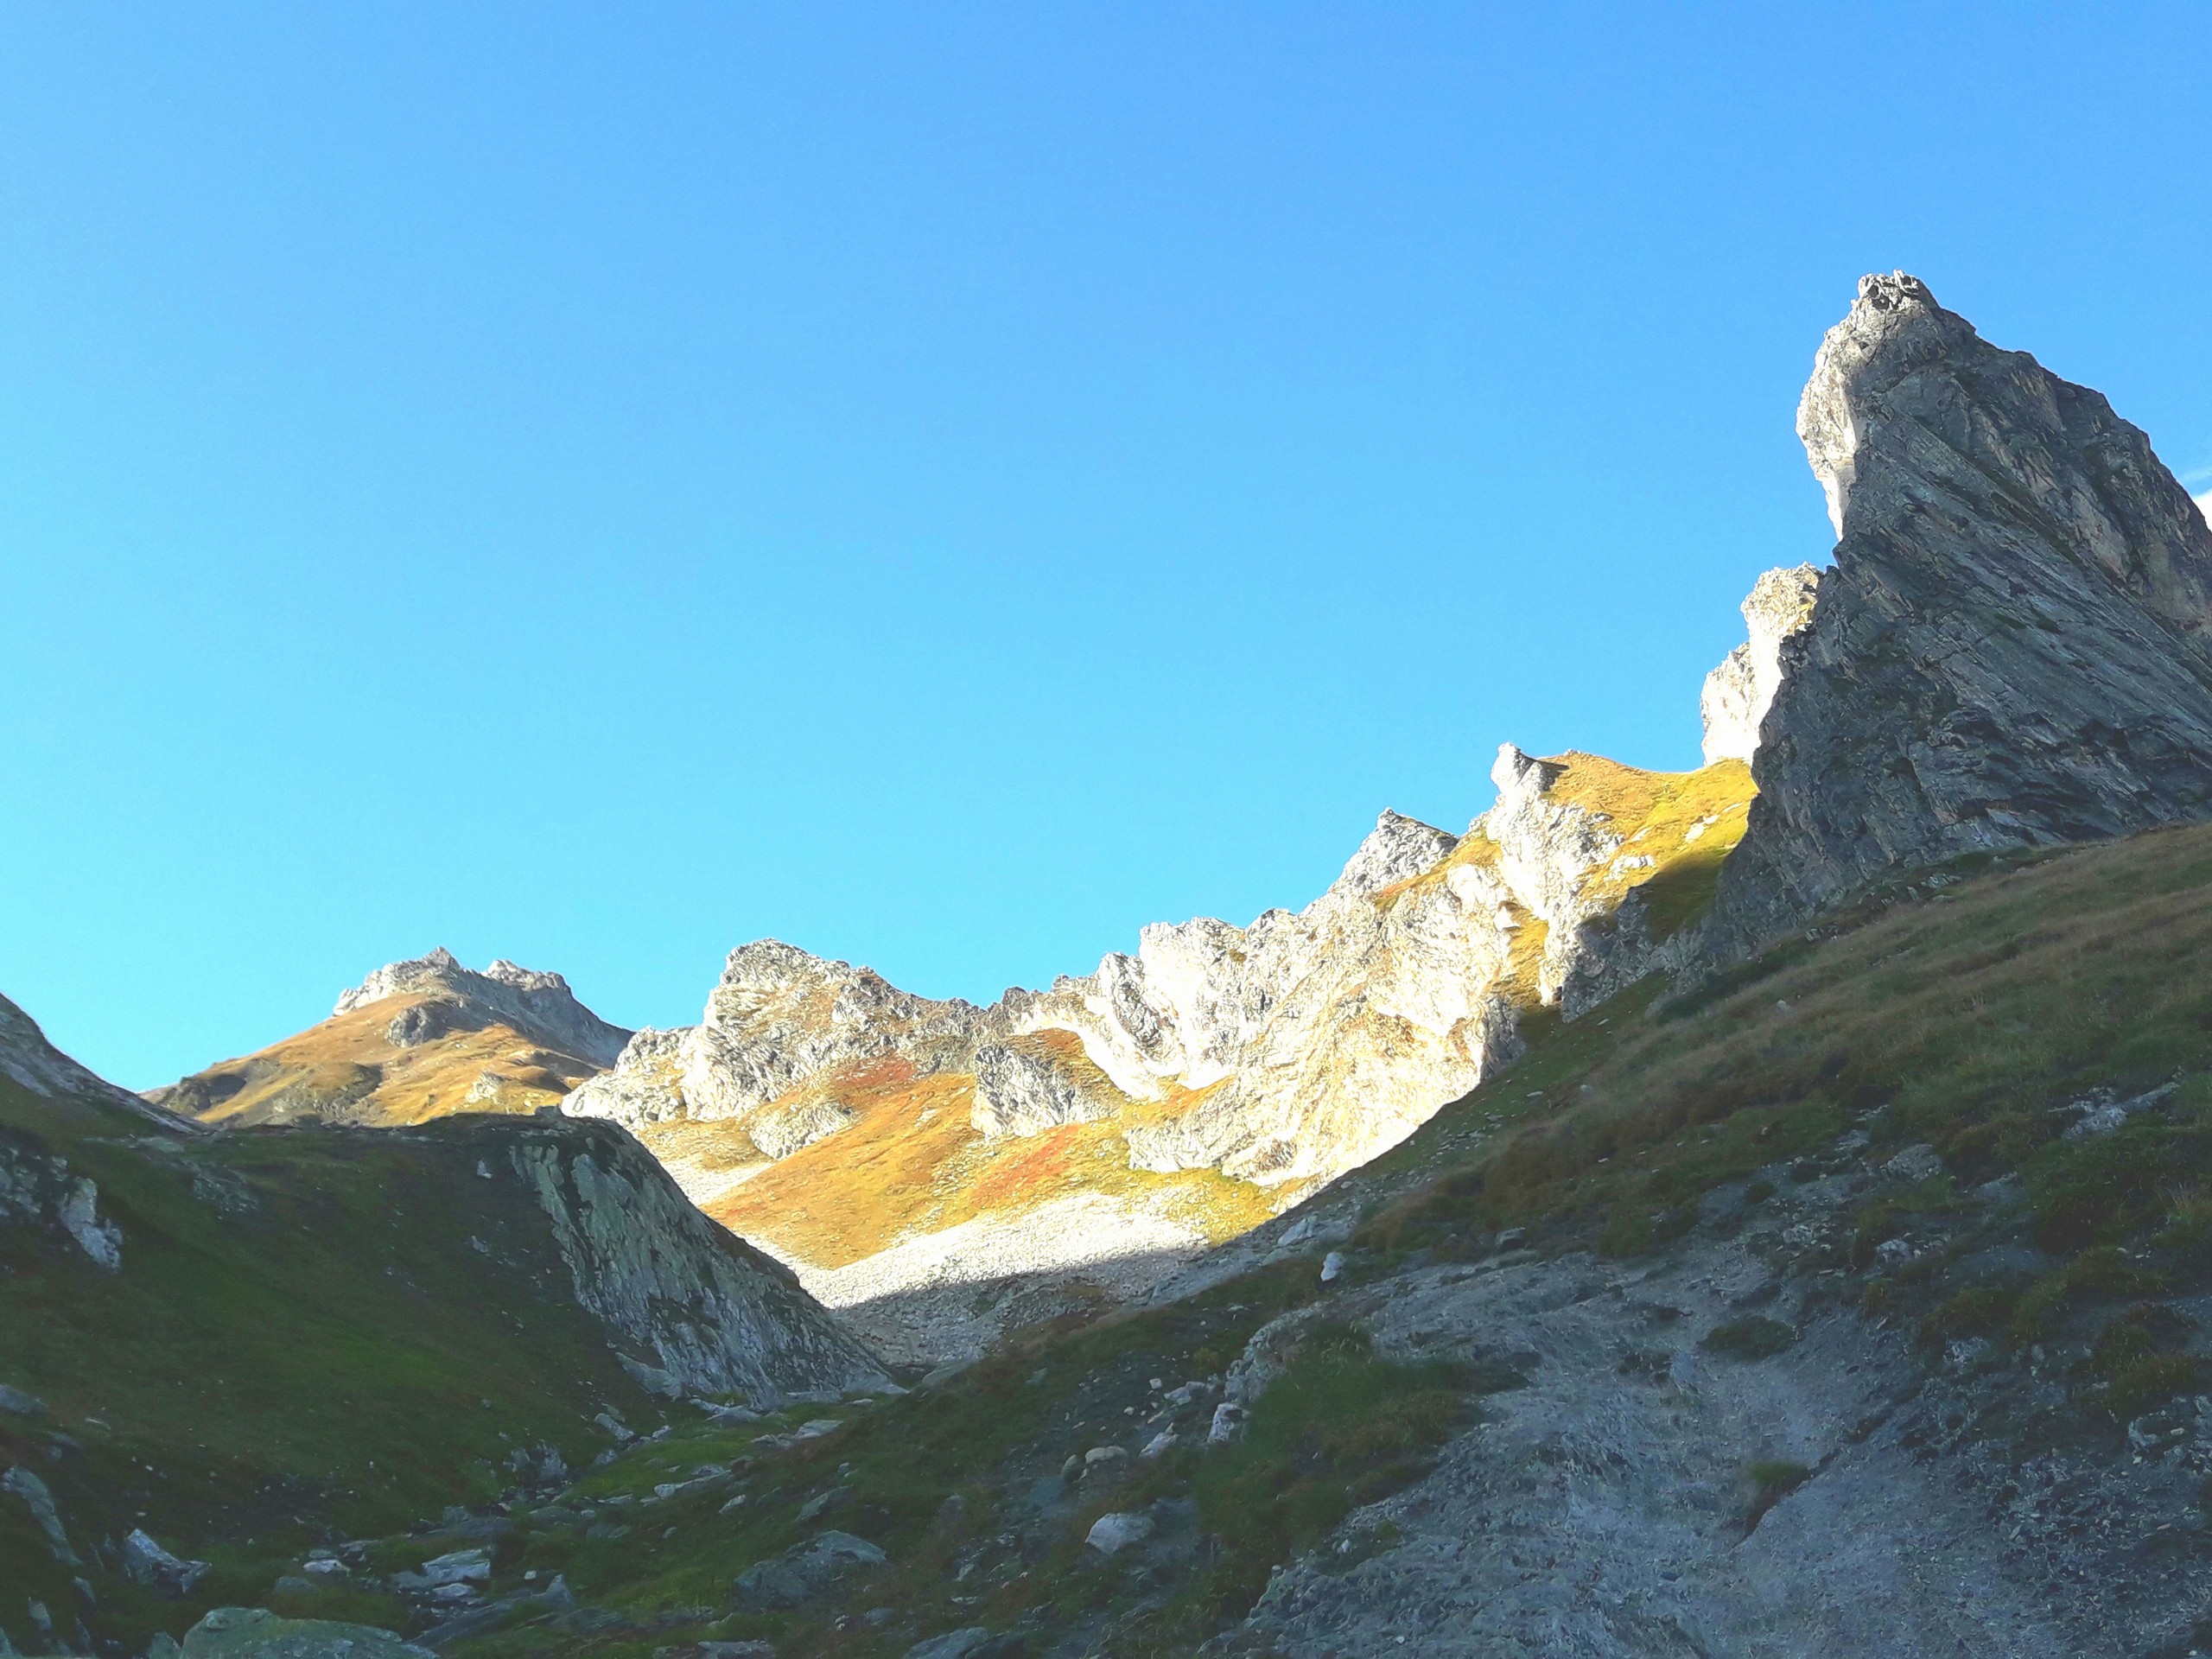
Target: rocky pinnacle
[{"x": 2014, "y": 648}]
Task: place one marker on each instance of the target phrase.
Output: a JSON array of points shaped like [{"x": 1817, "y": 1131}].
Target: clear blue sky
[{"x": 940, "y": 484}]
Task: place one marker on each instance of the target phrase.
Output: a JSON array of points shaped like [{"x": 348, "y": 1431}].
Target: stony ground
[{"x": 1654, "y": 1490}]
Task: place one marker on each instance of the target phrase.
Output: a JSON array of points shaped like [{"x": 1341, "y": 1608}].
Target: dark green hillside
[{"x": 304, "y": 1340}]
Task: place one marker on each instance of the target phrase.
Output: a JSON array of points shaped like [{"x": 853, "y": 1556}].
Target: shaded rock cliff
[
  {"x": 2015, "y": 645},
  {"x": 693, "y": 1309}
]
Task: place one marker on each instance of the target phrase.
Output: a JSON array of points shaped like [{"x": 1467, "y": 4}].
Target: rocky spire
[
  {"x": 2015, "y": 646},
  {"x": 1738, "y": 693}
]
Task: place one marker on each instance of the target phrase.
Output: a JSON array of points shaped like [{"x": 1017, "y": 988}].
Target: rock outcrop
[
  {"x": 692, "y": 1309},
  {"x": 1738, "y": 693},
  {"x": 1288, "y": 1051},
  {"x": 417, "y": 1039},
  {"x": 538, "y": 1006},
  {"x": 2014, "y": 648},
  {"x": 938, "y": 1172}
]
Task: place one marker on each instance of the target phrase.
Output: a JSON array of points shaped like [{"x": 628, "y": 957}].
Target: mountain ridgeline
[{"x": 1585, "y": 1233}]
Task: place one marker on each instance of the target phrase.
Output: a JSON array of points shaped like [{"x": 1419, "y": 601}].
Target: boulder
[
  {"x": 16, "y": 1403},
  {"x": 145, "y": 1563},
  {"x": 953, "y": 1644},
  {"x": 27, "y": 1486},
  {"x": 459, "y": 1566},
  {"x": 1111, "y": 1534},
  {"x": 804, "y": 1571}
]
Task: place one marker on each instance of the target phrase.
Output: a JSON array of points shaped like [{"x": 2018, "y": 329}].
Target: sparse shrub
[
  {"x": 1771, "y": 1482},
  {"x": 1753, "y": 1337},
  {"x": 2102, "y": 1190},
  {"x": 1340, "y": 1428},
  {"x": 2189, "y": 1223},
  {"x": 2133, "y": 1367},
  {"x": 1975, "y": 1311},
  {"x": 2103, "y": 1271}
]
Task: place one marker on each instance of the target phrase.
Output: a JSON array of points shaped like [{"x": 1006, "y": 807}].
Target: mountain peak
[
  {"x": 2014, "y": 647},
  {"x": 537, "y": 1004}
]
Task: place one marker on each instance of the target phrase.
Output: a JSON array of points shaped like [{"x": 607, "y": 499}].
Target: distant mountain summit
[
  {"x": 538, "y": 1005},
  {"x": 415, "y": 1040}
]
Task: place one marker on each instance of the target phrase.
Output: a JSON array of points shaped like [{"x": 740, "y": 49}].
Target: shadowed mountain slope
[{"x": 247, "y": 1340}]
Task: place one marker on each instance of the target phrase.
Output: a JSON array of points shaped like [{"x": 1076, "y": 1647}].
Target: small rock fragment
[
  {"x": 1111, "y": 1534},
  {"x": 145, "y": 1563},
  {"x": 16, "y": 1403},
  {"x": 953, "y": 1644}
]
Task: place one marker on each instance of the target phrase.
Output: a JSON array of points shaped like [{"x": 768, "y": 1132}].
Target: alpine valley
[{"x": 1758, "y": 1210}]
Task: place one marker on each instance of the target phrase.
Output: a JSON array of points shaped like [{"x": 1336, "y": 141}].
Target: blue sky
[{"x": 943, "y": 486}]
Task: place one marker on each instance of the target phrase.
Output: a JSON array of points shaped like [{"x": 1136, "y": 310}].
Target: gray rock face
[
  {"x": 37, "y": 1190},
  {"x": 1738, "y": 693},
  {"x": 1018, "y": 1093},
  {"x": 777, "y": 1020},
  {"x": 33, "y": 1493},
  {"x": 805, "y": 1571},
  {"x": 145, "y": 1563},
  {"x": 2015, "y": 646},
  {"x": 538, "y": 1005},
  {"x": 692, "y": 1310}
]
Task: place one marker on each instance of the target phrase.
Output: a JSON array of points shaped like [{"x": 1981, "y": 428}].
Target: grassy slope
[
  {"x": 340, "y": 1358},
  {"x": 1970, "y": 1011},
  {"x": 911, "y": 1164}
]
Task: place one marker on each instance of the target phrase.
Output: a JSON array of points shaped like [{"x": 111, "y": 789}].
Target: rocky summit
[
  {"x": 415, "y": 1040},
  {"x": 1755, "y": 1211},
  {"x": 2014, "y": 647}
]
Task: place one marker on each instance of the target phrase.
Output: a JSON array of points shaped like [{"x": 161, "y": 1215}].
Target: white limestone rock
[{"x": 1738, "y": 693}]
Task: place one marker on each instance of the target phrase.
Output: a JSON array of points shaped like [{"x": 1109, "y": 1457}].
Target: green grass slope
[{"x": 312, "y": 1333}]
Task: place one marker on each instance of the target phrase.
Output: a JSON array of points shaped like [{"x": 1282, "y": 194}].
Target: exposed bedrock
[{"x": 2012, "y": 647}]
